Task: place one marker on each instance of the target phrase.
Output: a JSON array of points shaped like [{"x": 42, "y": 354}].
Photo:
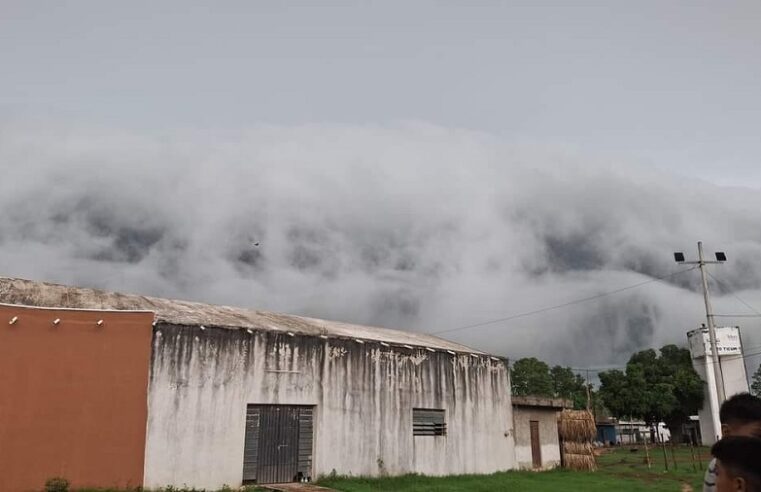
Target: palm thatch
[
  {"x": 573, "y": 447},
  {"x": 577, "y": 430},
  {"x": 577, "y": 425},
  {"x": 581, "y": 462}
]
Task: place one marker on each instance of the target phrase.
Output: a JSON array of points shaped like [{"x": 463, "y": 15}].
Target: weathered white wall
[
  {"x": 548, "y": 436},
  {"x": 735, "y": 381},
  {"x": 201, "y": 382}
]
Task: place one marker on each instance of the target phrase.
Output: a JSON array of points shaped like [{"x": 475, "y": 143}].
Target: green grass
[{"x": 619, "y": 470}]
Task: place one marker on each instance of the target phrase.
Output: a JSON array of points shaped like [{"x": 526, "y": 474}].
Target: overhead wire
[
  {"x": 737, "y": 315},
  {"x": 606, "y": 294},
  {"x": 756, "y": 311},
  {"x": 611, "y": 368},
  {"x": 559, "y": 306}
]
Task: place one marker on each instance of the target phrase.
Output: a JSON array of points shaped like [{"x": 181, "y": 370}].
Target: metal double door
[{"x": 273, "y": 434}]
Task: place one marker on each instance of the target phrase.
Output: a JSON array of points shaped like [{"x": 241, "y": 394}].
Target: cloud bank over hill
[{"x": 409, "y": 226}]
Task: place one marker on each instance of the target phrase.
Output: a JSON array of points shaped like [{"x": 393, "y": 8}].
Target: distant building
[
  {"x": 537, "y": 445},
  {"x": 120, "y": 390},
  {"x": 729, "y": 347},
  {"x": 606, "y": 433},
  {"x": 692, "y": 430},
  {"x": 636, "y": 431}
]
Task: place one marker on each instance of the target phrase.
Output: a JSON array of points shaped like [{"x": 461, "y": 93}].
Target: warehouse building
[{"x": 109, "y": 390}]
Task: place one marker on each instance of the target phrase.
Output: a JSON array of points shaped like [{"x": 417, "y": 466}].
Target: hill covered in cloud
[{"x": 409, "y": 226}]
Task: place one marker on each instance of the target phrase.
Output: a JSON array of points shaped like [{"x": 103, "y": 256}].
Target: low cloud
[{"x": 410, "y": 226}]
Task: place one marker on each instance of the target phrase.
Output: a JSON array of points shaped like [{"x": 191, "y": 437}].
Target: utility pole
[
  {"x": 589, "y": 403},
  {"x": 711, "y": 327},
  {"x": 716, "y": 384}
]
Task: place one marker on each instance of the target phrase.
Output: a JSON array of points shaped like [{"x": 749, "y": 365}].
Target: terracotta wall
[{"x": 73, "y": 397}]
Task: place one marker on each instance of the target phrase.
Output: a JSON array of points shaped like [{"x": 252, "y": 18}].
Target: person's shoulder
[{"x": 709, "y": 481}]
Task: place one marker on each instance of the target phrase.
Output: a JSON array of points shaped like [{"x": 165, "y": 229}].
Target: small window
[{"x": 428, "y": 422}]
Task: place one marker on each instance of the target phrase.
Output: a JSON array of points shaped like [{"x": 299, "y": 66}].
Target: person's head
[
  {"x": 738, "y": 464},
  {"x": 741, "y": 416}
]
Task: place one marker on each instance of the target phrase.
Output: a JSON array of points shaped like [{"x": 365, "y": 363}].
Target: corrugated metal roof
[{"x": 43, "y": 294}]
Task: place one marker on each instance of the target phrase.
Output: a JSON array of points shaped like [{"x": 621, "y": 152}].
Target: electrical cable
[
  {"x": 733, "y": 294},
  {"x": 559, "y": 306}
]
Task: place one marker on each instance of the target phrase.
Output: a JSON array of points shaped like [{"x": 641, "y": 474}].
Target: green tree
[
  {"x": 567, "y": 384},
  {"x": 655, "y": 388},
  {"x": 622, "y": 393},
  {"x": 530, "y": 376},
  {"x": 755, "y": 385}
]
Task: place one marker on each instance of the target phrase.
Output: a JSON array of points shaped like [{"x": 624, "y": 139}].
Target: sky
[{"x": 419, "y": 165}]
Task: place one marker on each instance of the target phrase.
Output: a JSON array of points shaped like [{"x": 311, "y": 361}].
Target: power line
[
  {"x": 599, "y": 369},
  {"x": 610, "y": 368},
  {"x": 734, "y": 357},
  {"x": 559, "y": 306},
  {"x": 735, "y": 295},
  {"x": 737, "y": 315}
]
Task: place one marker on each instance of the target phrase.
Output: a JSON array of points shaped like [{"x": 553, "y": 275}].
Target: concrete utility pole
[
  {"x": 711, "y": 326},
  {"x": 715, "y": 387}
]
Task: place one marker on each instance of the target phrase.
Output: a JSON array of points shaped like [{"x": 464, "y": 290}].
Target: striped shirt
[{"x": 709, "y": 481}]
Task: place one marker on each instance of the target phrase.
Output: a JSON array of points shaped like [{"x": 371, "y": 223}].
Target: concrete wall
[
  {"x": 735, "y": 381},
  {"x": 201, "y": 382},
  {"x": 72, "y": 397},
  {"x": 548, "y": 436}
]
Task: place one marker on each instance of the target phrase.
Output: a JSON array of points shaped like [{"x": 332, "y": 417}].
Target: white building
[
  {"x": 732, "y": 364},
  {"x": 233, "y": 396},
  {"x": 637, "y": 431},
  {"x": 537, "y": 441}
]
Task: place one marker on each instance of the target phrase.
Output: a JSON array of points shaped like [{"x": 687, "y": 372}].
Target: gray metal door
[
  {"x": 251, "y": 446},
  {"x": 278, "y": 443}
]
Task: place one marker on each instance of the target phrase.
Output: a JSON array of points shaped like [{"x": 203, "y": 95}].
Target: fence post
[
  {"x": 665, "y": 457},
  {"x": 692, "y": 455},
  {"x": 647, "y": 455},
  {"x": 673, "y": 456}
]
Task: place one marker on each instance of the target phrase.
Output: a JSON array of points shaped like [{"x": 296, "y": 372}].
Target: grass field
[{"x": 620, "y": 469}]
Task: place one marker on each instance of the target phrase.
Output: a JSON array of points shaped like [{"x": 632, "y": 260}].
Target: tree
[
  {"x": 755, "y": 385},
  {"x": 566, "y": 384},
  {"x": 530, "y": 376},
  {"x": 655, "y": 388},
  {"x": 622, "y": 393}
]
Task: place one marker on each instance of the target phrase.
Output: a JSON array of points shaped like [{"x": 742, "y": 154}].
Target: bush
[{"x": 57, "y": 484}]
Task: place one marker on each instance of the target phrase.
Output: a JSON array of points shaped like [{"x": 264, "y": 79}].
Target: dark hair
[
  {"x": 742, "y": 457},
  {"x": 741, "y": 408}
]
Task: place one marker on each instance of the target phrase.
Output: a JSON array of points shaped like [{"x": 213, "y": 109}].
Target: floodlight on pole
[{"x": 718, "y": 377}]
